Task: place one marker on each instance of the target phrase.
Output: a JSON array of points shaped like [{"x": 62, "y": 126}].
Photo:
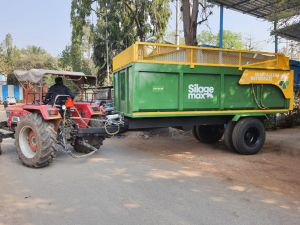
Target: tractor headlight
[{"x": 63, "y": 107}]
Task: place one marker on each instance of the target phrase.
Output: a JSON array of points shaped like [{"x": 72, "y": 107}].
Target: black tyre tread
[
  {"x": 208, "y": 134},
  {"x": 195, "y": 134},
  {"x": 228, "y": 135},
  {"x": 95, "y": 141},
  {"x": 48, "y": 141},
  {"x": 238, "y": 140}
]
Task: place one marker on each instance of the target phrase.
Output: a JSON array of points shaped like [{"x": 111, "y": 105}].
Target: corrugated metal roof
[
  {"x": 260, "y": 8},
  {"x": 291, "y": 32}
]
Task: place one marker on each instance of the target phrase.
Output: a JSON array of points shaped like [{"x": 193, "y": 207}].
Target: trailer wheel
[
  {"x": 228, "y": 135},
  {"x": 249, "y": 136},
  {"x": 35, "y": 141},
  {"x": 208, "y": 134},
  {"x": 95, "y": 141}
]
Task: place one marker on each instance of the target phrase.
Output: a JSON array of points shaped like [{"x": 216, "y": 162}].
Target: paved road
[{"x": 123, "y": 185}]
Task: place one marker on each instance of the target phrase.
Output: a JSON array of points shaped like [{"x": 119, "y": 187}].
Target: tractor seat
[{"x": 60, "y": 100}]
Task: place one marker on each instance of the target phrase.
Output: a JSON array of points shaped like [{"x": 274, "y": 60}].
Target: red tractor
[{"x": 42, "y": 128}]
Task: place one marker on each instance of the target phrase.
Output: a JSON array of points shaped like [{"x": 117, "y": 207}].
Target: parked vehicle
[
  {"x": 42, "y": 129},
  {"x": 216, "y": 92},
  {"x": 11, "y": 100},
  {"x": 106, "y": 93}
]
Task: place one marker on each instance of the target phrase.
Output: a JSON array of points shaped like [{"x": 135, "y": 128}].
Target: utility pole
[
  {"x": 221, "y": 26},
  {"x": 276, "y": 37},
  {"x": 177, "y": 23},
  {"x": 106, "y": 40}
]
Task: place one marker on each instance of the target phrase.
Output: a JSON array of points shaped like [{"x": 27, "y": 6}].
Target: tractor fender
[
  {"x": 15, "y": 114},
  {"x": 45, "y": 111},
  {"x": 85, "y": 110}
]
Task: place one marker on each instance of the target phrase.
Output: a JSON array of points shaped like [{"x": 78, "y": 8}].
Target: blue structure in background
[
  {"x": 11, "y": 91},
  {"x": 4, "y": 91},
  {"x": 295, "y": 65}
]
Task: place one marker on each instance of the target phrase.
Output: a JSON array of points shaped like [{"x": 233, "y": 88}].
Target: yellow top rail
[{"x": 199, "y": 56}]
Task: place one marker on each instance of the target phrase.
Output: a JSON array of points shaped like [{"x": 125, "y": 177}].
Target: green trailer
[{"x": 215, "y": 92}]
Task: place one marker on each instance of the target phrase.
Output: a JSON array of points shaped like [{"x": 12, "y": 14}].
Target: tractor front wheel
[
  {"x": 35, "y": 141},
  {"x": 95, "y": 141}
]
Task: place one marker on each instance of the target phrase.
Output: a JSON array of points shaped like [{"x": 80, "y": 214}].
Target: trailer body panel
[{"x": 155, "y": 90}]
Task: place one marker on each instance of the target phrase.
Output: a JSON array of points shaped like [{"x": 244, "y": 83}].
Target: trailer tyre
[
  {"x": 228, "y": 135},
  {"x": 95, "y": 141},
  {"x": 35, "y": 141},
  {"x": 208, "y": 134},
  {"x": 249, "y": 136}
]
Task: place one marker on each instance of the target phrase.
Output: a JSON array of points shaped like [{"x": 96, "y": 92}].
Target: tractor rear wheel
[
  {"x": 249, "y": 136},
  {"x": 208, "y": 134},
  {"x": 95, "y": 141},
  {"x": 35, "y": 141}
]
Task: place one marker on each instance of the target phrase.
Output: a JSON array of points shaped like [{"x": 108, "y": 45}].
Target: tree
[
  {"x": 4, "y": 68},
  {"x": 231, "y": 39},
  {"x": 127, "y": 21},
  {"x": 34, "y": 57},
  {"x": 8, "y": 51},
  {"x": 207, "y": 38},
  {"x": 251, "y": 44},
  {"x": 190, "y": 14}
]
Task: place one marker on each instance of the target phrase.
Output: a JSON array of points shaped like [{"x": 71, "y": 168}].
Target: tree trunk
[{"x": 190, "y": 16}]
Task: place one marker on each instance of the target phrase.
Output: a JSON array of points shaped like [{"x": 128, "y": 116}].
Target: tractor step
[{"x": 5, "y": 134}]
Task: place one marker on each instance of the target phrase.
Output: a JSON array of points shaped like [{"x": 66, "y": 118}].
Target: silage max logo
[
  {"x": 284, "y": 81},
  {"x": 200, "y": 92}
]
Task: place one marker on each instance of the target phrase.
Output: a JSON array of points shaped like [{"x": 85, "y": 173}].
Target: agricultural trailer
[{"x": 215, "y": 92}]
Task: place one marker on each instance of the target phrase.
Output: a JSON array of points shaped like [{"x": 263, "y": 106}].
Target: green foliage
[
  {"x": 34, "y": 57},
  {"x": 128, "y": 21},
  {"x": 12, "y": 58},
  {"x": 170, "y": 38},
  {"x": 231, "y": 40},
  {"x": 65, "y": 62},
  {"x": 7, "y": 53},
  {"x": 207, "y": 38}
]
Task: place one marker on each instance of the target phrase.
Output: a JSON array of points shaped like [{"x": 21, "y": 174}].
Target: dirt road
[{"x": 157, "y": 180}]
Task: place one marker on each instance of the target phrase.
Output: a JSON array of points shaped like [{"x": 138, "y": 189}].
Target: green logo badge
[{"x": 284, "y": 83}]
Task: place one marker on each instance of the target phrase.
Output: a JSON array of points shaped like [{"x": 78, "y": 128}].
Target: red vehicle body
[
  {"x": 85, "y": 111},
  {"x": 40, "y": 129}
]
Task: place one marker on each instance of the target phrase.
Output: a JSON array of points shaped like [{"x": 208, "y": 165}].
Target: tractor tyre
[
  {"x": 35, "y": 141},
  {"x": 249, "y": 136},
  {"x": 228, "y": 135},
  {"x": 95, "y": 141},
  {"x": 208, "y": 134}
]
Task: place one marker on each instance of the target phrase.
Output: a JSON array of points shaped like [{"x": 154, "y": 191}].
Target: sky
[
  {"x": 237, "y": 22},
  {"x": 46, "y": 23}
]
